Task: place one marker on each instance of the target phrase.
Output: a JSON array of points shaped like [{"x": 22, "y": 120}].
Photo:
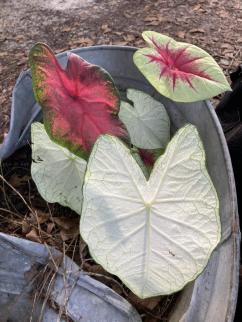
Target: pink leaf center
[
  {"x": 147, "y": 157},
  {"x": 79, "y": 102},
  {"x": 176, "y": 64}
]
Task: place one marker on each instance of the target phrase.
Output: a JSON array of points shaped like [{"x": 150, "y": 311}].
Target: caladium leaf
[
  {"x": 147, "y": 121},
  {"x": 79, "y": 103},
  {"x": 150, "y": 156},
  {"x": 57, "y": 173},
  {"x": 155, "y": 235},
  {"x": 180, "y": 71}
]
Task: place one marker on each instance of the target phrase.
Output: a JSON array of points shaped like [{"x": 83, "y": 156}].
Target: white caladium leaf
[
  {"x": 180, "y": 71},
  {"x": 155, "y": 235},
  {"x": 147, "y": 121},
  {"x": 57, "y": 173}
]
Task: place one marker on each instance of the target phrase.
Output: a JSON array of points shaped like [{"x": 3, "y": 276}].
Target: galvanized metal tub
[{"x": 212, "y": 297}]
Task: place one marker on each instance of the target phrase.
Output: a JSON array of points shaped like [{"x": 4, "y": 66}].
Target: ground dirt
[{"x": 215, "y": 25}]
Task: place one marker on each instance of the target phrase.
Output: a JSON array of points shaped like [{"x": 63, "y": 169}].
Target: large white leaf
[
  {"x": 155, "y": 235},
  {"x": 147, "y": 121},
  {"x": 57, "y": 173}
]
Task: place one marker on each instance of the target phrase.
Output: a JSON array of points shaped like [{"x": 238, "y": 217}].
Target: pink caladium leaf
[
  {"x": 79, "y": 102},
  {"x": 148, "y": 157},
  {"x": 179, "y": 71}
]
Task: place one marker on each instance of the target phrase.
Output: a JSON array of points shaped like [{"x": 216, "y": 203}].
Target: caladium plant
[
  {"x": 180, "y": 71},
  {"x": 79, "y": 102},
  {"x": 154, "y": 229}
]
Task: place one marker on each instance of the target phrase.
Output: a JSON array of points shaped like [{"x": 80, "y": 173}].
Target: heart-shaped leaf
[
  {"x": 79, "y": 103},
  {"x": 155, "y": 235},
  {"x": 180, "y": 71},
  {"x": 57, "y": 173},
  {"x": 147, "y": 121}
]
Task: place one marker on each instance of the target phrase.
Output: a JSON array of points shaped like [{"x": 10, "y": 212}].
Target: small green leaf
[
  {"x": 57, "y": 173},
  {"x": 155, "y": 235},
  {"x": 147, "y": 121},
  {"x": 179, "y": 71}
]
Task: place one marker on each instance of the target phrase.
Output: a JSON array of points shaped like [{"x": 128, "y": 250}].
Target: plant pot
[{"x": 212, "y": 297}]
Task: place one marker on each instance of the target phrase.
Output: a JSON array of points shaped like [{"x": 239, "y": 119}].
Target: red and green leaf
[
  {"x": 149, "y": 157},
  {"x": 79, "y": 102},
  {"x": 179, "y": 71}
]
